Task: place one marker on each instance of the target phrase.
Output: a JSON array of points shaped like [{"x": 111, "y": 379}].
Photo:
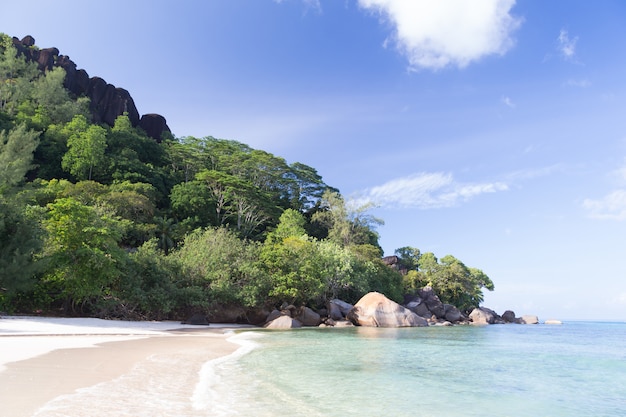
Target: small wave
[{"x": 205, "y": 395}]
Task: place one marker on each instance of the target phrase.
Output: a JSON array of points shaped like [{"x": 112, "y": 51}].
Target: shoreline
[{"x": 40, "y": 365}]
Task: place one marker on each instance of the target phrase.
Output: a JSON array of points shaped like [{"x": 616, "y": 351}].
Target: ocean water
[{"x": 574, "y": 369}]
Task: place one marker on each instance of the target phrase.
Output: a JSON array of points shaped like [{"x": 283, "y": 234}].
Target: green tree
[
  {"x": 16, "y": 77},
  {"x": 165, "y": 230},
  {"x": 86, "y": 145},
  {"x": 133, "y": 156},
  {"x": 149, "y": 290},
  {"x": 223, "y": 266},
  {"x": 347, "y": 225},
  {"x": 220, "y": 186},
  {"x": 292, "y": 262},
  {"x": 85, "y": 261},
  {"x": 451, "y": 280},
  {"x": 305, "y": 186},
  {"x": 128, "y": 202},
  {"x": 16, "y": 154},
  {"x": 294, "y": 267},
  {"x": 192, "y": 204},
  {"x": 409, "y": 257},
  {"x": 20, "y": 242},
  {"x": 341, "y": 272},
  {"x": 50, "y": 102},
  {"x": 291, "y": 224}
]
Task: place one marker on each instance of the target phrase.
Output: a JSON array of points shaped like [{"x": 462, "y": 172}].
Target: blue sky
[{"x": 490, "y": 130}]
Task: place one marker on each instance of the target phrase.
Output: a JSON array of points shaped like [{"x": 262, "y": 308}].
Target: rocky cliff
[{"x": 107, "y": 101}]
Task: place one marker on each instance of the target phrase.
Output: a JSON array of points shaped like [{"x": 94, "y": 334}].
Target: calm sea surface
[{"x": 575, "y": 369}]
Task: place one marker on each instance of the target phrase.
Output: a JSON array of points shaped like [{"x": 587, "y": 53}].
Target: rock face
[
  {"x": 307, "y": 317},
  {"x": 452, "y": 314},
  {"x": 338, "y": 309},
  {"x": 197, "y": 320},
  {"x": 433, "y": 302},
  {"x": 107, "y": 101},
  {"x": 376, "y": 310},
  {"x": 154, "y": 125},
  {"x": 427, "y": 304},
  {"x": 283, "y": 322},
  {"x": 509, "y": 317},
  {"x": 484, "y": 316}
]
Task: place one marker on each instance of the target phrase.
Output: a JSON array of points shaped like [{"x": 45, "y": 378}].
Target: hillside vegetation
[{"x": 104, "y": 220}]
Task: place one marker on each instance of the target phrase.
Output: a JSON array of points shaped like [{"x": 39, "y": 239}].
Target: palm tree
[{"x": 165, "y": 228}]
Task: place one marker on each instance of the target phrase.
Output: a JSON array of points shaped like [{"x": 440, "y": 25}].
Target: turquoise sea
[{"x": 574, "y": 369}]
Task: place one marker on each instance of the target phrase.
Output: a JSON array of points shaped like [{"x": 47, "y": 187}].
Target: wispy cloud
[
  {"x": 580, "y": 83},
  {"x": 313, "y": 5},
  {"x": 567, "y": 45},
  {"x": 532, "y": 173},
  {"x": 507, "y": 102},
  {"x": 427, "y": 191},
  {"x": 611, "y": 207},
  {"x": 309, "y": 5},
  {"x": 437, "y": 34}
]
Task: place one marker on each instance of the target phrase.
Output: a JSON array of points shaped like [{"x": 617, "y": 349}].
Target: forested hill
[
  {"x": 106, "y": 101},
  {"x": 100, "y": 217}
]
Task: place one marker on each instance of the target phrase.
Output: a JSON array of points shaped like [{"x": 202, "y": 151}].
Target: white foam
[{"x": 205, "y": 395}]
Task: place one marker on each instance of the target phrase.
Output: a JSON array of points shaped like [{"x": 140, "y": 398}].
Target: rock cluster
[
  {"x": 290, "y": 316},
  {"x": 372, "y": 310},
  {"x": 106, "y": 101},
  {"x": 376, "y": 310}
]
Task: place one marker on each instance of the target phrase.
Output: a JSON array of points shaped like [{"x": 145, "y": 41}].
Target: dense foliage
[{"x": 104, "y": 220}]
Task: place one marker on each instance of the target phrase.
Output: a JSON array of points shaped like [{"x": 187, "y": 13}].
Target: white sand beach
[{"x": 44, "y": 358}]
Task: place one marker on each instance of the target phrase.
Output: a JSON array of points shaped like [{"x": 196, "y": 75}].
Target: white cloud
[
  {"x": 428, "y": 190},
  {"x": 611, "y": 207},
  {"x": 620, "y": 174},
  {"x": 507, "y": 102},
  {"x": 437, "y": 34},
  {"x": 580, "y": 83},
  {"x": 314, "y": 5},
  {"x": 567, "y": 46},
  {"x": 533, "y": 173}
]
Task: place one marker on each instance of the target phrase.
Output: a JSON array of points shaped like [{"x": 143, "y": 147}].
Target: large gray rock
[
  {"x": 376, "y": 310},
  {"x": 416, "y": 304},
  {"x": 307, "y": 317},
  {"x": 483, "y": 316},
  {"x": 283, "y": 322},
  {"x": 274, "y": 314},
  {"x": 452, "y": 313},
  {"x": 509, "y": 317},
  {"x": 334, "y": 312},
  {"x": 197, "y": 320},
  {"x": 432, "y": 301},
  {"x": 343, "y": 306},
  {"x": 257, "y": 316}
]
